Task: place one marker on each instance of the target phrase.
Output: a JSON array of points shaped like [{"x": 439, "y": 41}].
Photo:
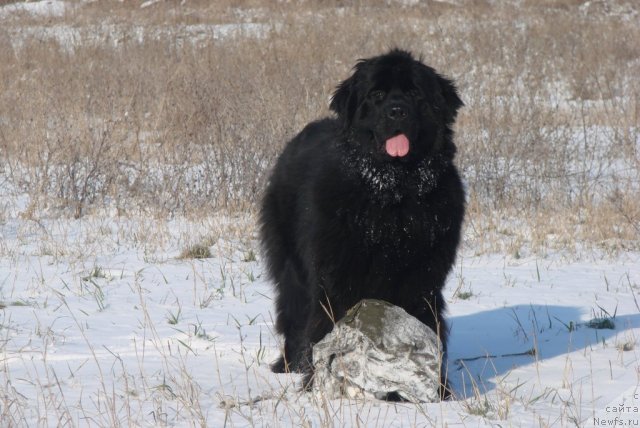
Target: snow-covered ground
[{"x": 103, "y": 324}]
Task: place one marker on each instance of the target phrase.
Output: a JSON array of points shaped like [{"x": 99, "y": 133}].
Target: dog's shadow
[{"x": 486, "y": 346}]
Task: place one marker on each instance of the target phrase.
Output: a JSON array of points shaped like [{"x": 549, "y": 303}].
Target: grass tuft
[
  {"x": 464, "y": 295},
  {"x": 601, "y": 324},
  {"x": 197, "y": 251}
]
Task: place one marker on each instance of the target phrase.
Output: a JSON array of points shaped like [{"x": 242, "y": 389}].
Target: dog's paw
[{"x": 280, "y": 366}]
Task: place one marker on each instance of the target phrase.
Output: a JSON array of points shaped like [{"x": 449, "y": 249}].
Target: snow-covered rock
[{"x": 378, "y": 351}]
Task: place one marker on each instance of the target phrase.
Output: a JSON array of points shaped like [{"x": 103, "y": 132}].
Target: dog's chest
[
  {"x": 386, "y": 210},
  {"x": 388, "y": 183},
  {"x": 392, "y": 230}
]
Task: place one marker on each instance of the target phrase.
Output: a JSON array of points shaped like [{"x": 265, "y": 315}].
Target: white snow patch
[
  {"x": 149, "y": 3},
  {"x": 45, "y": 8},
  {"x": 70, "y": 37}
]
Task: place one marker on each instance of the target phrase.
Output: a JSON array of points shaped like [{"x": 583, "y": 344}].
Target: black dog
[{"x": 366, "y": 205}]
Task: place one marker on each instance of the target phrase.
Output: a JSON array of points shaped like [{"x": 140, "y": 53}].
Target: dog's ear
[
  {"x": 451, "y": 99},
  {"x": 344, "y": 100}
]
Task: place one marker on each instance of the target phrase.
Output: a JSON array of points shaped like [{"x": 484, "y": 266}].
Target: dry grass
[{"x": 155, "y": 109}]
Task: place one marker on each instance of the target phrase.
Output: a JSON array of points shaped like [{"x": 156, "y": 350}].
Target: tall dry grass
[{"x": 157, "y": 110}]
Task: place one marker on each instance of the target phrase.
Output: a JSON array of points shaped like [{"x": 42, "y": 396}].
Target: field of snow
[{"x": 105, "y": 322}]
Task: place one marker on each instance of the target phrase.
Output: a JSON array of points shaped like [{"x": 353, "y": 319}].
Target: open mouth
[{"x": 397, "y": 146}]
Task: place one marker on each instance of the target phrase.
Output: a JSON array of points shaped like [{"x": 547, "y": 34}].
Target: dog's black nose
[{"x": 396, "y": 112}]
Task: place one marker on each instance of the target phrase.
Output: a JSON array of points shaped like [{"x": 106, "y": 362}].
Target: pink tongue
[{"x": 397, "y": 146}]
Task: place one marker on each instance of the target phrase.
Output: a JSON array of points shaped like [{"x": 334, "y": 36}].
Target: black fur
[{"x": 342, "y": 220}]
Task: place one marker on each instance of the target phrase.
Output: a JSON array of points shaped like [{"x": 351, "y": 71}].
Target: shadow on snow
[{"x": 489, "y": 344}]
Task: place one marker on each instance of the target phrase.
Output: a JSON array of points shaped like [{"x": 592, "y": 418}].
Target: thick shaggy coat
[{"x": 365, "y": 205}]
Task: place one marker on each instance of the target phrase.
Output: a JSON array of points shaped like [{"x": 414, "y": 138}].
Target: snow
[
  {"x": 70, "y": 37},
  {"x": 103, "y": 324},
  {"x": 45, "y": 8}
]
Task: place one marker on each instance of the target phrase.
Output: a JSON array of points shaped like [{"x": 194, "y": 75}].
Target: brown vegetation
[{"x": 163, "y": 109}]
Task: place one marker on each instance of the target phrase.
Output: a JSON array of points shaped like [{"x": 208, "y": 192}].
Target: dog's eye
[
  {"x": 414, "y": 93},
  {"x": 377, "y": 95}
]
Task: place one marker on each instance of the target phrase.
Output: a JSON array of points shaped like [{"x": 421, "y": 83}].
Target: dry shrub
[
  {"x": 155, "y": 110},
  {"x": 65, "y": 133}
]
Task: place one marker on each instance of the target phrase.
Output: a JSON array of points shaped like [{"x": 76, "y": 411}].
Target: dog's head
[{"x": 396, "y": 108}]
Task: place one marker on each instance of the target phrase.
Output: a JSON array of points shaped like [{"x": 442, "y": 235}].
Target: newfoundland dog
[{"x": 367, "y": 204}]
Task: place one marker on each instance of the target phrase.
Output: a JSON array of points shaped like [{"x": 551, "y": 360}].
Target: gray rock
[{"x": 378, "y": 349}]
